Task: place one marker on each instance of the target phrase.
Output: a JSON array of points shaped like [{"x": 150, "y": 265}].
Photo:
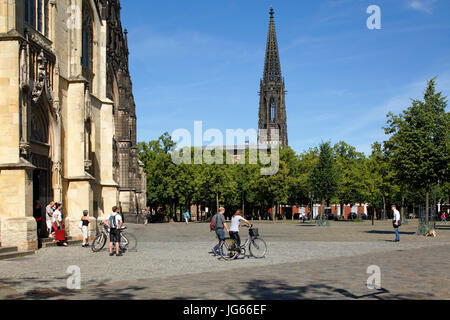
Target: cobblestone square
[{"x": 173, "y": 261}]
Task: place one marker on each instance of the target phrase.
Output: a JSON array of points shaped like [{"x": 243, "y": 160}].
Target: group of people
[
  {"x": 54, "y": 223},
  {"x": 219, "y": 225},
  {"x": 53, "y": 220}
]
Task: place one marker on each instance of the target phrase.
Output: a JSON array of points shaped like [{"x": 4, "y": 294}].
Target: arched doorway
[{"x": 40, "y": 156}]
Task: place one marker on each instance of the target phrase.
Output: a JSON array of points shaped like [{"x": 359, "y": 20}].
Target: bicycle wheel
[
  {"x": 99, "y": 242},
  {"x": 128, "y": 241},
  {"x": 258, "y": 248},
  {"x": 226, "y": 249}
]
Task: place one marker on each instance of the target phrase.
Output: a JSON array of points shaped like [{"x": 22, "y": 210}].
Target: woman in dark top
[
  {"x": 37, "y": 214},
  {"x": 85, "y": 220}
]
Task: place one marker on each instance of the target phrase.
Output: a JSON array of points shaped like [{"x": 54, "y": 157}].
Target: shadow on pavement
[
  {"x": 251, "y": 290},
  {"x": 388, "y": 232},
  {"x": 266, "y": 290},
  {"x": 100, "y": 290}
]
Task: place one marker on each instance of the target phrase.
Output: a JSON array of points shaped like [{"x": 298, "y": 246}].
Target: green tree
[
  {"x": 381, "y": 175},
  {"x": 324, "y": 178},
  {"x": 419, "y": 146}
]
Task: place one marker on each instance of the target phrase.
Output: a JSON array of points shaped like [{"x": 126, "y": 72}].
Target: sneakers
[
  {"x": 111, "y": 254},
  {"x": 119, "y": 254}
]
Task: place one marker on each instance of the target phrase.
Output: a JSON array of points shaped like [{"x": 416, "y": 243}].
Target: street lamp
[
  {"x": 311, "y": 196},
  {"x": 373, "y": 200}
]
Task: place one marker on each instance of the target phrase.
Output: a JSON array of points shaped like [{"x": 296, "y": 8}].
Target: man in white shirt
[
  {"x": 396, "y": 222},
  {"x": 114, "y": 223}
]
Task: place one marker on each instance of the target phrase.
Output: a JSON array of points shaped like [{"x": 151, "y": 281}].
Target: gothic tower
[{"x": 272, "y": 108}]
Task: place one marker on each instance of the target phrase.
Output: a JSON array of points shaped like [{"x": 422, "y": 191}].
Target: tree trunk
[
  {"x": 274, "y": 213},
  {"x": 171, "y": 218},
  {"x": 402, "y": 213},
  {"x": 217, "y": 202},
  {"x": 384, "y": 208},
  {"x": 427, "y": 207}
]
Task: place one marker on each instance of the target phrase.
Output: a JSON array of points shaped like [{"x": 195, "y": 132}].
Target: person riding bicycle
[
  {"x": 114, "y": 223},
  {"x": 234, "y": 229}
]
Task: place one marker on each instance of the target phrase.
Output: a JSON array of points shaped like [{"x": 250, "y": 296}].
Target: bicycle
[
  {"x": 127, "y": 240},
  {"x": 229, "y": 249}
]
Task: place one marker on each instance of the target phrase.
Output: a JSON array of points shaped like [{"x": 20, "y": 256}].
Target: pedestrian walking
[
  {"x": 218, "y": 225},
  {"x": 84, "y": 224},
  {"x": 114, "y": 222},
  {"x": 303, "y": 216},
  {"x": 396, "y": 222},
  {"x": 48, "y": 218},
  {"x": 443, "y": 218},
  {"x": 186, "y": 217}
]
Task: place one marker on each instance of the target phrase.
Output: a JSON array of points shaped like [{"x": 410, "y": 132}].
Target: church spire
[
  {"x": 272, "y": 124},
  {"x": 272, "y": 68}
]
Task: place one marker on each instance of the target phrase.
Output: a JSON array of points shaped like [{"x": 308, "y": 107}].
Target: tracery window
[
  {"x": 87, "y": 35},
  {"x": 36, "y": 15},
  {"x": 272, "y": 111}
]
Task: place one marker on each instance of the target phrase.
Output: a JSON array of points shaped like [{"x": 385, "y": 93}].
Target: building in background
[{"x": 67, "y": 114}]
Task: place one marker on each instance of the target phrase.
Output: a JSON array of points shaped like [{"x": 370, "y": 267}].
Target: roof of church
[{"x": 272, "y": 68}]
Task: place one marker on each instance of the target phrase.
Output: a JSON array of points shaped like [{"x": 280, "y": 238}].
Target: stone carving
[
  {"x": 24, "y": 65},
  {"x": 87, "y": 104},
  {"x": 41, "y": 77}
]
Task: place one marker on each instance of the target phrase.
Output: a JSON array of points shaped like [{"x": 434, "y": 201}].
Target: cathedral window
[
  {"x": 36, "y": 15},
  {"x": 272, "y": 111},
  {"x": 87, "y": 35}
]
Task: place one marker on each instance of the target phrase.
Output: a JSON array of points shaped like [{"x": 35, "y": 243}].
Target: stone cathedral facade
[
  {"x": 272, "y": 125},
  {"x": 67, "y": 115}
]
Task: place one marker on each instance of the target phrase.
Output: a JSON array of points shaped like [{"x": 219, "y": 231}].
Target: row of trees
[{"x": 402, "y": 170}]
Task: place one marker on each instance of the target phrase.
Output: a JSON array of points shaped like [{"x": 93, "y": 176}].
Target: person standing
[
  {"x": 85, "y": 220},
  {"x": 186, "y": 217},
  {"x": 58, "y": 222},
  {"x": 396, "y": 222},
  {"x": 146, "y": 215},
  {"x": 37, "y": 215},
  {"x": 218, "y": 225},
  {"x": 114, "y": 222},
  {"x": 48, "y": 218}
]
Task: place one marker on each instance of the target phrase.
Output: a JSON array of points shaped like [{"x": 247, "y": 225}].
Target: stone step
[
  {"x": 50, "y": 240},
  {"x": 15, "y": 254},
  {"x": 51, "y": 244},
  {"x": 7, "y": 249}
]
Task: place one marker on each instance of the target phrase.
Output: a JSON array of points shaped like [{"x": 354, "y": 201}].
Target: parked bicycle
[
  {"x": 229, "y": 249},
  {"x": 127, "y": 240}
]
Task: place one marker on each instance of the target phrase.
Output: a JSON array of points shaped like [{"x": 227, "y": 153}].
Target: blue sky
[{"x": 202, "y": 60}]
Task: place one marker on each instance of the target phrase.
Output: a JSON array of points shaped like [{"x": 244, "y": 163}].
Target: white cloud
[{"x": 422, "y": 5}]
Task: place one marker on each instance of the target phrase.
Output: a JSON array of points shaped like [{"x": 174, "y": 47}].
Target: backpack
[
  {"x": 112, "y": 222},
  {"x": 212, "y": 226}
]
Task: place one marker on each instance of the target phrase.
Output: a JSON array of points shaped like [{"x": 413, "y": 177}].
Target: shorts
[
  {"x": 85, "y": 231},
  {"x": 114, "y": 235}
]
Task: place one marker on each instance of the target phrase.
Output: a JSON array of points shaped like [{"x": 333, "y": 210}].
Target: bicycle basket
[{"x": 254, "y": 232}]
